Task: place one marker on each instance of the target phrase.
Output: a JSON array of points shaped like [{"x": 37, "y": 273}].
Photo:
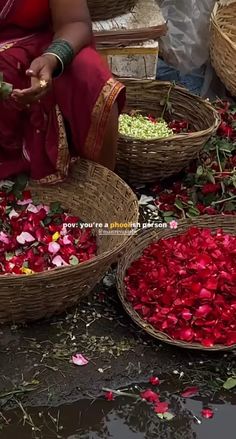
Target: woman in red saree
[{"x": 49, "y": 121}]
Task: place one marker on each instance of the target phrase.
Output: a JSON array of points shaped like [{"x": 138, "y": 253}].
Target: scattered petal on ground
[
  {"x": 189, "y": 392},
  {"x": 109, "y": 396},
  {"x": 207, "y": 413},
  {"x": 79, "y": 360}
]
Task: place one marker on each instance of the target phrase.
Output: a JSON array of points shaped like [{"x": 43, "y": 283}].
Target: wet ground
[{"x": 43, "y": 395}]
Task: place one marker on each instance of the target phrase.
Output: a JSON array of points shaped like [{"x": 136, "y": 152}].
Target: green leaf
[
  {"x": 168, "y": 416},
  {"x": 55, "y": 207},
  {"x": 160, "y": 415},
  {"x": 47, "y": 221},
  {"x": 226, "y": 147},
  {"x": 19, "y": 185},
  {"x": 169, "y": 107},
  {"x": 200, "y": 171},
  {"x": 5, "y": 89},
  {"x": 168, "y": 213},
  {"x": 9, "y": 256},
  {"x": 179, "y": 204},
  {"x": 26, "y": 264},
  {"x": 230, "y": 383},
  {"x": 73, "y": 260},
  {"x": 229, "y": 206},
  {"x": 168, "y": 219},
  {"x": 208, "y": 199},
  {"x": 194, "y": 211}
]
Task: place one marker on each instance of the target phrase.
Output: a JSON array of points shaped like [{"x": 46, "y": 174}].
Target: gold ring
[{"x": 43, "y": 83}]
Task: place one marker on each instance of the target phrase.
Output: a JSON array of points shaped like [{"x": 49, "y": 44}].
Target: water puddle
[{"x": 124, "y": 418}]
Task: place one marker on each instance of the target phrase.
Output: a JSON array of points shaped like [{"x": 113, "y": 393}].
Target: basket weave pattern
[
  {"x": 135, "y": 248},
  {"x": 223, "y": 44},
  {"x": 95, "y": 194},
  {"x": 104, "y": 10},
  {"x": 145, "y": 161}
]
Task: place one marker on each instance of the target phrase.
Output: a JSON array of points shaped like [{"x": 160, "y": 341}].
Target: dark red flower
[{"x": 211, "y": 188}]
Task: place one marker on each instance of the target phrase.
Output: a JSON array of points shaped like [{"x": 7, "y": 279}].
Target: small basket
[
  {"x": 223, "y": 44},
  {"x": 95, "y": 194},
  {"x": 135, "y": 249},
  {"x": 104, "y": 10},
  {"x": 145, "y": 161}
]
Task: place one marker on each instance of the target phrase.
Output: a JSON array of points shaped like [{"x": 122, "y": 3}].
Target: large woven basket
[
  {"x": 95, "y": 194},
  {"x": 103, "y": 10},
  {"x": 136, "y": 247},
  {"x": 145, "y": 161},
  {"x": 223, "y": 44}
]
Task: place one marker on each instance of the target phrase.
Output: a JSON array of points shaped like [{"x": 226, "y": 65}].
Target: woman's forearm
[
  {"x": 78, "y": 34},
  {"x": 71, "y": 22}
]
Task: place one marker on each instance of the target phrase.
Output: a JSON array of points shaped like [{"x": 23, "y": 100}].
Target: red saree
[{"x": 34, "y": 140}]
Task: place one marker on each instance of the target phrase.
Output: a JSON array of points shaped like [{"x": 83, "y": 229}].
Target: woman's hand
[{"x": 41, "y": 73}]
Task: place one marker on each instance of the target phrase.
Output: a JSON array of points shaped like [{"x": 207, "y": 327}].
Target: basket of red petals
[
  {"x": 179, "y": 126},
  {"x": 179, "y": 284},
  {"x": 49, "y": 256}
]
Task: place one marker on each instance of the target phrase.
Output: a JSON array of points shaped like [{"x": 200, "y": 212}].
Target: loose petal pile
[
  {"x": 185, "y": 286},
  {"x": 34, "y": 238}
]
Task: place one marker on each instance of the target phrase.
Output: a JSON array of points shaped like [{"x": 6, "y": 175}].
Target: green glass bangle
[{"x": 63, "y": 51}]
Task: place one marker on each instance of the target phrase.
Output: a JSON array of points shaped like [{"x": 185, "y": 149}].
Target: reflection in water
[{"x": 122, "y": 419}]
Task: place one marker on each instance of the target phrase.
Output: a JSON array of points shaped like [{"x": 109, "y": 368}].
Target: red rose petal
[
  {"x": 150, "y": 396},
  {"x": 154, "y": 381},
  {"x": 190, "y": 391},
  {"x": 109, "y": 396},
  {"x": 161, "y": 407},
  {"x": 207, "y": 413}
]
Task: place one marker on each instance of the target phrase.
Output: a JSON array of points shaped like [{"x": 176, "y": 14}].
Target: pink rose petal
[
  {"x": 79, "y": 360},
  {"x": 53, "y": 247},
  {"x": 4, "y": 238},
  {"x": 25, "y": 237},
  {"x": 13, "y": 214},
  {"x": 59, "y": 262},
  {"x": 24, "y": 202},
  {"x": 43, "y": 206},
  {"x": 66, "y": 240},
  {"x": 33, "y": 209}
]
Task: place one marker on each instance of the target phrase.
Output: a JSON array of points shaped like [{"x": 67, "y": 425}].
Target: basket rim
[
  {"x": 55, "y": 271},
  {"x": 148, "y": 328},
  {"x": 181, "y": 136},
  {"x": 217, "y": 9}
]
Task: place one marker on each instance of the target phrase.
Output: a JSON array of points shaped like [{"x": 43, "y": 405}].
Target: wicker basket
[
  {"x": 145, "y": 161},
  {"x": 223, "y": 44},
  {"x": 103, "y": 10},
  {"x": 94, "y": 194},
  {"x": 134, "y": 250}
]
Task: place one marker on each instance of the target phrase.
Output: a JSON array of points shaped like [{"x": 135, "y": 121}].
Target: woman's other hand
[{"x": 41, "y": 73}]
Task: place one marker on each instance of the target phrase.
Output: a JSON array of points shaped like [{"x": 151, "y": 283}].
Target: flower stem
[
  {"x": 120, "y": 393},
  {"x": 223, "y": 201},
  {"x": 221, "y": 170}
]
